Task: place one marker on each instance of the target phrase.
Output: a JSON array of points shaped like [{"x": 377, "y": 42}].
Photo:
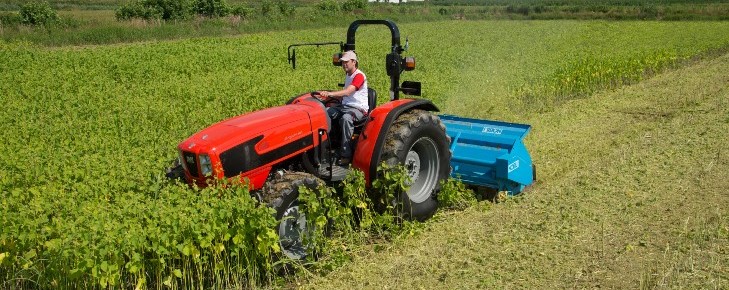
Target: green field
[{"x": 88, "y": 131}]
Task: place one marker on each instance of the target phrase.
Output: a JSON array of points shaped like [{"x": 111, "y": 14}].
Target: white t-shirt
[{"x": 358, "y": 99}]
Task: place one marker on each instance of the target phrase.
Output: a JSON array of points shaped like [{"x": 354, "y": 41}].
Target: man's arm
[
  {"x": 339, "y": 94},
  {"x": 357, "y": 83}
]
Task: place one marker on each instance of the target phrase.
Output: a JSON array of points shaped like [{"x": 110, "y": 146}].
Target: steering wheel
[{"x": 328, "y": 102}]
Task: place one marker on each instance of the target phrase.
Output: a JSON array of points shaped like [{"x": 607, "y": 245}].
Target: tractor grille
[{"x": 190, "y": 162}]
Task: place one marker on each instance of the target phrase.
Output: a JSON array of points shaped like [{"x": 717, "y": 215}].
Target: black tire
[
  {"x": 282, "y": 194},
  {"x": 176, "y": 172},
  {"x": 418, "y": 141}
]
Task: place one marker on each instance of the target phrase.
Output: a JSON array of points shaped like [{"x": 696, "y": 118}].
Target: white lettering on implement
[
  {"x": 513, "y": 166},
  {"x": 491, "y": 130}
]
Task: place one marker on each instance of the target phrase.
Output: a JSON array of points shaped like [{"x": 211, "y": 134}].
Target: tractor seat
[{"x": 372, "y": 103}]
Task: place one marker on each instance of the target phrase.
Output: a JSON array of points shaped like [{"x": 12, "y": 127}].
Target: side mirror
[{"x": 410, "y": 88}]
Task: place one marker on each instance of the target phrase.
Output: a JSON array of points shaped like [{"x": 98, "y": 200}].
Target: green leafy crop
[{"x": 88, "y": 132}]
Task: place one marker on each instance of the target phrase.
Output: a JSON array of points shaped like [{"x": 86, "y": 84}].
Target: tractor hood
[{"x": 231, "y": 132}]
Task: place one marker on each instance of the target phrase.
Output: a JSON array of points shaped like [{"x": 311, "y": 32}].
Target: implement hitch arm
[{"x": 292, "y": 53}]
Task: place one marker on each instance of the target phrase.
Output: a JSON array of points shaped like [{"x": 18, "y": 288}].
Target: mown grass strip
[{"x": 630, "y": 195}]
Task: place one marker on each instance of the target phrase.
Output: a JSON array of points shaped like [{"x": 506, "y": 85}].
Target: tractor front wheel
[
  {"x": 282, "y": 194},
  {"x": 418, "y": 141}
]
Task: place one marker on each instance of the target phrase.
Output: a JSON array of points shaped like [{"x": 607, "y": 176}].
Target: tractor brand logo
[
  {"x": 288, "y": 138},
  {"x": 513, "y": 166},
  {"x": 489, "y": 130}
]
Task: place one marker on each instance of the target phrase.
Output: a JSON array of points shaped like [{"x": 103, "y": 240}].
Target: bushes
[
  {"x": 156, "y": 9},
  {"x": 8, "y": 18},
  {"x": 211, "y": 8},
  {"x": 351, "y": 5},
  {"x": 266, "y": 7},
  {"x": 333, "y": 6},
  {"x": 327, "y": 6},
  {"x": 184, "y": 9},
  {"x": 135, "y": 10},
  {"x": 172, "y": 9},
  {"x": 285, "y": 8},
  {"x": 521, "y": 9},
  {"x": 242, "y": 11},
  {"x": 38, "y": 13}
]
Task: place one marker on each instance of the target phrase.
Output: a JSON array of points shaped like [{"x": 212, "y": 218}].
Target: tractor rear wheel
[
  {"x": 282, "y": 194},
  {"x": 418, "y": 141}
]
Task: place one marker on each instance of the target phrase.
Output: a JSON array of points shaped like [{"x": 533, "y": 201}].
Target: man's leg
[
  {"x": 335, "y": 115},
  {"x": 335, "y": 112},
  {"x": 346, "y": 122}
]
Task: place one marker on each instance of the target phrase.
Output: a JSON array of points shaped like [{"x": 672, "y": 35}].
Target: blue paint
[{"x": 489, "y": 153}]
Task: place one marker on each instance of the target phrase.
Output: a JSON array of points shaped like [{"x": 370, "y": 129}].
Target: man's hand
[{"x": 323, "y": 95}]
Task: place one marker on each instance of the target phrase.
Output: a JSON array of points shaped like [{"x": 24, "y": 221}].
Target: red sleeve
[{"x": 358, "y": 81}]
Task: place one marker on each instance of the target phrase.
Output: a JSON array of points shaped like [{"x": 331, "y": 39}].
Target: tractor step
[
  {"x": 338, "y": 173},
  {"x": 489, "y": 153}
]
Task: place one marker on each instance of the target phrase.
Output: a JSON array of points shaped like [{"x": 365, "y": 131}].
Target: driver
[{"x": 353, "y": 107}]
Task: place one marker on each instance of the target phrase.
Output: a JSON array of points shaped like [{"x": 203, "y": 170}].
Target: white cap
[{"x": 347, "y": 55}]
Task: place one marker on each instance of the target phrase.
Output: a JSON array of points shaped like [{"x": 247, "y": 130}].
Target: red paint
[
  {"x": 368, "y": 138},
  {"x": 278, "y": 125}
]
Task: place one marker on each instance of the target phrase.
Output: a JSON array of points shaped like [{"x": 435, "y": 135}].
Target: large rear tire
[
  {"x": 418, "y": 141},
  {"x": 282, "y": 194}
]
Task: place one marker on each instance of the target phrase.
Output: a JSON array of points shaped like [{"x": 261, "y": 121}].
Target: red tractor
[{"x": 277, "y": 150}]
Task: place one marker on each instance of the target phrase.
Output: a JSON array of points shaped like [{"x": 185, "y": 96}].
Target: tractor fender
[{"x": 371, "y": 141}]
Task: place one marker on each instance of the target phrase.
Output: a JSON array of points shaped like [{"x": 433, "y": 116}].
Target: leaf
[
  {"x": 177, "y": 273},
  {"x": 27, "y": 265},
  {"x": 186, "y": 250},
  {"x": 237, "y": 239},
  {"x": 140, "y": 283},
  {"x": 52, "y": 244},
  {"x": 75, "y": 273},
  {"x": 29, "y": 254}
]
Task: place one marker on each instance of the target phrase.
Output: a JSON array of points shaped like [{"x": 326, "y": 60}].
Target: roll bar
[
  {"x": 394, "y": 31},
  {"x": 394, "y": 62}
]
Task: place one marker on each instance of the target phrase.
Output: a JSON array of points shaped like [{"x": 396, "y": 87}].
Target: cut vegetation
[{"x": 631, "y": 194}]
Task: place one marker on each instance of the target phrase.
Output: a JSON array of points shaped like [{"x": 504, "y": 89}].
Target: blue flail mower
[{"x": 489, "y": 153}]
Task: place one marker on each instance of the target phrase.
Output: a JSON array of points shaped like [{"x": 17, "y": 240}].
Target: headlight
[
  {"x": 205, "y": 165},
  {"x": 181, "y": 160}
]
